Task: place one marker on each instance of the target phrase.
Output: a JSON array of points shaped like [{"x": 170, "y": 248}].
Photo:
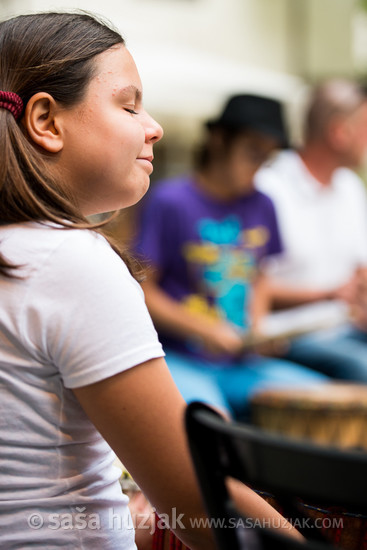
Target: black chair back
[{"x": 288, "y": 469}]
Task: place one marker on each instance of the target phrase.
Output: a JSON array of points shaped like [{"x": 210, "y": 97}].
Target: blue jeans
[
  {"x": 340, "y": 353},
  {"x": 229, "y": 388}
]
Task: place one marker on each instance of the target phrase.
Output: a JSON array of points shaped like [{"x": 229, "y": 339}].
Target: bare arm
[
  {"x": 284, "y": 296},
  {"x": 217, "y": 336},
  {"x": 174, "y": 318},
  {"x": 261, "y": 302},
  {"x": 140, "y": 414}
]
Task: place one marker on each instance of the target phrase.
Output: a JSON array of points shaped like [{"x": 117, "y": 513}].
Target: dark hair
[
  {"x": 217, "y": 146},
  {"x": 53, "y": 53}
]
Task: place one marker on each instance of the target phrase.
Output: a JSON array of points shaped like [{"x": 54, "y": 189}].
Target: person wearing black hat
[{"x": 204, "y": 236}]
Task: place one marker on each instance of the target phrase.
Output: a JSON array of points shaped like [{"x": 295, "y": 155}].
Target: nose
[{"x": 153, "y": 130}]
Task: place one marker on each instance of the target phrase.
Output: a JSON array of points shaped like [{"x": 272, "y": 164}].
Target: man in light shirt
[{"x": 321, "y": 207}]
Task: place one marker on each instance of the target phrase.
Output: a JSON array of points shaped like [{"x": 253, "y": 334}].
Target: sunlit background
[{"x": 193, "y": 54}]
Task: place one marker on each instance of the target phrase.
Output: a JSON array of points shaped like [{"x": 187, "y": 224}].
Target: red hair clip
[{"x": 12, "y": 102}]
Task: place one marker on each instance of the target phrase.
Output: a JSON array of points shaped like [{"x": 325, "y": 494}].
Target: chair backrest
[{"x": 288, "y": 469}]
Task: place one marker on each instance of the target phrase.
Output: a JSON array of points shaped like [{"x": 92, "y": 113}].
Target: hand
[
  {"x": 220, "y": 337},
  {"x": 258, "y": 342},
  {"x": 347, "y": 292},
  {"x": 276, "y": 347},
  {"x": 143, "y": 518}
]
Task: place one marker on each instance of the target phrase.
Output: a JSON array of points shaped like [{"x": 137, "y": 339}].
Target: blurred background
[{"x": 193, "y": 54}]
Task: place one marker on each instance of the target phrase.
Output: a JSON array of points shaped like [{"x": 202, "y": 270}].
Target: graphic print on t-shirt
[{"x": 223, "y": 261}]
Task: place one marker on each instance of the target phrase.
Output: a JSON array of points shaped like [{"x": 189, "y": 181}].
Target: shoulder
[
  {"x": 84, "y": 254},
  {"x": 278, "y": 172},
  {"x": 351, "y": 191},
  {"x": 51, "y": 253},
  {"x": 78, "y": 298},
  {"x": 348, "y": 178},
  {"x": 282, "y": 161}
]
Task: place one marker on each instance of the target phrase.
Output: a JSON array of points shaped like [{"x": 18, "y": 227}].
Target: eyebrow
[{"x": 128, "y": 90}]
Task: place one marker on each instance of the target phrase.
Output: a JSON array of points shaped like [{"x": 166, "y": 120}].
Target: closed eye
[{"x": 131, "y": 111}]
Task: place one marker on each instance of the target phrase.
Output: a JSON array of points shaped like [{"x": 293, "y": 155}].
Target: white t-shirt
[
  {"x": 323, "y": 228},
  {"x": 77, "y": 317}
]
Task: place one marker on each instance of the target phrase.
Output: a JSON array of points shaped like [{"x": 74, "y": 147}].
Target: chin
[
  {"x": 143, "y": 190},
  {"x": 134, "y": 199}
]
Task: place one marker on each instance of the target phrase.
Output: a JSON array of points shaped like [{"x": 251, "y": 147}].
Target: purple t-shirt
[{"x": 206, "y": 251}]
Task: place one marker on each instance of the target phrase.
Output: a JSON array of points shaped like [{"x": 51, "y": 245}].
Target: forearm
[
  {"x": 284, "y": 296},
  {"x": 254, "y": 507},
  {"x": 173, "y": 317},
  {"x": 261, "y": 302}
]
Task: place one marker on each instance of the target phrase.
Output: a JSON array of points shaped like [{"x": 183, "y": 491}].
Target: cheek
[
  {"x": 363, "y": 137},
  {"x": 130, "y": 146},
  {"x": 358, "y": 144}
]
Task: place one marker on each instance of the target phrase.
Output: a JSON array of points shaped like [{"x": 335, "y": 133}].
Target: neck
[
  {"x": 213, "y": 185},
  {"x": 320, "y": 161}
]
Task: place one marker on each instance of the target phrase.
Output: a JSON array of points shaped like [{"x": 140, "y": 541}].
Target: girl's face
[{"x": 108, "y": 138}]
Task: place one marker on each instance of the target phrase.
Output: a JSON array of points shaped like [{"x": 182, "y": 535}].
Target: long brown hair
[{"x": 53, "y": 53}]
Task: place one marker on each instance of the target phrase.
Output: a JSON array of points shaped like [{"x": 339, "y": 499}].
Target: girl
[{"x": 81, "y": 369}]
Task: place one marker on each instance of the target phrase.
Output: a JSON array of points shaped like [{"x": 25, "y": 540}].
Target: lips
[
  {"x": 147, "y": 163},
  {"x": 150, "y": 158}
]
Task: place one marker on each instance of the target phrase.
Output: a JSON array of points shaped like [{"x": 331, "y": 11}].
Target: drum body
[
  {"x": 344, "y": 530},
  {"x": 333, "y": 414},
  {"x": 330, "y": 414}
]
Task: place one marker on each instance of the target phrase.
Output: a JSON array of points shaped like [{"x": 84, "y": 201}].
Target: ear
[
  {"x": 41, "y": 122},
  {"x": 339, "y": 133}
]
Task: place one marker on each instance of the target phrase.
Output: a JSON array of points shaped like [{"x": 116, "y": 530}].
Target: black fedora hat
[{"x": 247, "y": 111}]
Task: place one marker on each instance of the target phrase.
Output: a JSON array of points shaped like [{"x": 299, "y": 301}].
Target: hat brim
[{"x": 261, "y": 128}]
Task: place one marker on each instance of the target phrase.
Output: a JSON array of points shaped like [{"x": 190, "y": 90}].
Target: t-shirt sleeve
[{"x": 86, "y": 314}]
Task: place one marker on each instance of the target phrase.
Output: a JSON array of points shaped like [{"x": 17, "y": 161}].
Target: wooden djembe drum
[{"x": 333, "y": 414}]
